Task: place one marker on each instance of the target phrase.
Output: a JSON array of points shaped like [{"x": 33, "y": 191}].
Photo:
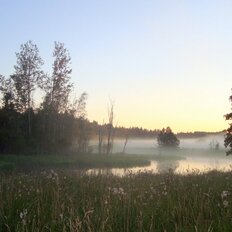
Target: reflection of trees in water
[
  {"x": 168, "y": 159},
  {"x": 167, "y": 166}
]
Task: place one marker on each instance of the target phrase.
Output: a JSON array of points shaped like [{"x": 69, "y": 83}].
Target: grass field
[
  {"x": 53, "y": 193},
  {"x": 68, "y": 201}
]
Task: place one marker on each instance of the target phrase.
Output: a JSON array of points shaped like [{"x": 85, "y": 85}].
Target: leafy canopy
[{"x": 228, "y": 137}]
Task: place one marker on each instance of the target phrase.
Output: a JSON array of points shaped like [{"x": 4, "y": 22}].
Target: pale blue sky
[{"x": 164, "y": 63}]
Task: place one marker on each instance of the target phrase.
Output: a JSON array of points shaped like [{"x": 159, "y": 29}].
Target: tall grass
[{"x": 68, "y": 201}]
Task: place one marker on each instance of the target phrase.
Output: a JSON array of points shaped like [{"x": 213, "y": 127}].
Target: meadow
[
  {"x": 73, "y": 201},
  {"x": 56, "y": 193}
]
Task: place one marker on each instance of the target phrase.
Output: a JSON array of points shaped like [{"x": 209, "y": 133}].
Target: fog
[
  {"x": 202, "y": 142},
  {"x": 148, "y": 146},
  {"x": 194, "y": 155}
]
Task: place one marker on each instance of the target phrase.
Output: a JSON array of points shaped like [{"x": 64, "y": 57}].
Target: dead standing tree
[
  {"x": 125, "y": 143},
  {"x": 106, "y": 133},
  {"x": 100, "y": 139},
  {"x": 110, "y": 129}
]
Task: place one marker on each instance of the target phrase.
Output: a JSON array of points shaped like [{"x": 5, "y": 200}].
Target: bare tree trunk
[
  {"x": 125, "y": 143},
  {"x": 110, "y": 129},
  {"x": 29, "y": 110},
  {"x": 109, "y": 138},
  {"x": 29, "y": 122},
  {"x": 100, "y": 140}
]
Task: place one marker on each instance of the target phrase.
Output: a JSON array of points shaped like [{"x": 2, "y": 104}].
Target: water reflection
[
  {"x": 124, "y": 171},
  {"x": 167, "y": 166},
  {"x": 187, "y": 166},
  {"x": 203, "y": 165},
  {"x": 193, "y": 156}
]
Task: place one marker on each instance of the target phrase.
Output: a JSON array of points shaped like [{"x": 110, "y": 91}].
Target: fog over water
[
  {"x": 148, "y": 146},
  {"x": 194, "y": 155}
]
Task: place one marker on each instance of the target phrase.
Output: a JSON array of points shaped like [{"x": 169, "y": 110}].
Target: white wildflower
[
  {"x": 118, "y": 191},
  {"x": 206, "y": 194},
  {"x": 49, "y": 176},
  {"x": 225, "y": 204},
  {"x": 225, "y": 194},
  {"x": 25, "y": 212},
  {"x": 21, "y": 215},
  {"x": 52, "y": 175}
]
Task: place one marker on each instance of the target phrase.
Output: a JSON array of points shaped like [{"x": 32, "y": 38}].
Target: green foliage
[
  {"x": 28, "y": 74},
  {"x": 12, "y": 135},
  {"x": 58, "y": 87},
  {"x": 57, "y": 125},
  {"x": 166, "y": 138},
  {"x": 228, "y": 136}
]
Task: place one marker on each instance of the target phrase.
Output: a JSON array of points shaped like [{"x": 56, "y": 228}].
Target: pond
[
  {"x": 194, "y": 156},
  {"x": 190, "y": 165}
]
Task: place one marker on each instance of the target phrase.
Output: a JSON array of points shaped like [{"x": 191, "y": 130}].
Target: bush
[{"x": 166, "y": 138}]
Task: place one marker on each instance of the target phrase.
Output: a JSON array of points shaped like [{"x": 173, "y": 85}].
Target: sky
[{"x": 162, "y": 63}]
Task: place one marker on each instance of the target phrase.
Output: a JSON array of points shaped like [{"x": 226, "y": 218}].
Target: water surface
[{"x": 194, "y": 156}]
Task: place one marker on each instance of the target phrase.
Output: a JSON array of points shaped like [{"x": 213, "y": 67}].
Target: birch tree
[
  {"x": 7, "y": 90},
  {"x": 28, "y": 74},
  {"x": 59, "y": 87}
]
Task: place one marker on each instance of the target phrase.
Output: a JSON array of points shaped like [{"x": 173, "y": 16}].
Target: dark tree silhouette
[
  {"x": 56, "y": 104},
  {"x": 27, "y": 75},
  {"x": 228, "y": 136},
  {"x": 166, "y": 138},
  {"x": 59, "y": 86},
  {"x": 82, "y": 134},
  {"x": 58, "y": 125}
]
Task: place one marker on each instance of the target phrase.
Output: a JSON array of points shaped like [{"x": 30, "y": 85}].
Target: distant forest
[
  {"x": 139, "y": 132},
  {"x": 59, "y": 122}
]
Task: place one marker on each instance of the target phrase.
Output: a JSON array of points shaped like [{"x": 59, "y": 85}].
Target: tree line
[{"x": 58, "y": 121}]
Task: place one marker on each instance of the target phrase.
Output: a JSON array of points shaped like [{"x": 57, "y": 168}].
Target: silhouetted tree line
[
  {"x": 57, "y": 123},
  {"x": 122, "y": 132},
  {"x": 139, "y": 132},
  {"x": 196, "y": 134}
]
